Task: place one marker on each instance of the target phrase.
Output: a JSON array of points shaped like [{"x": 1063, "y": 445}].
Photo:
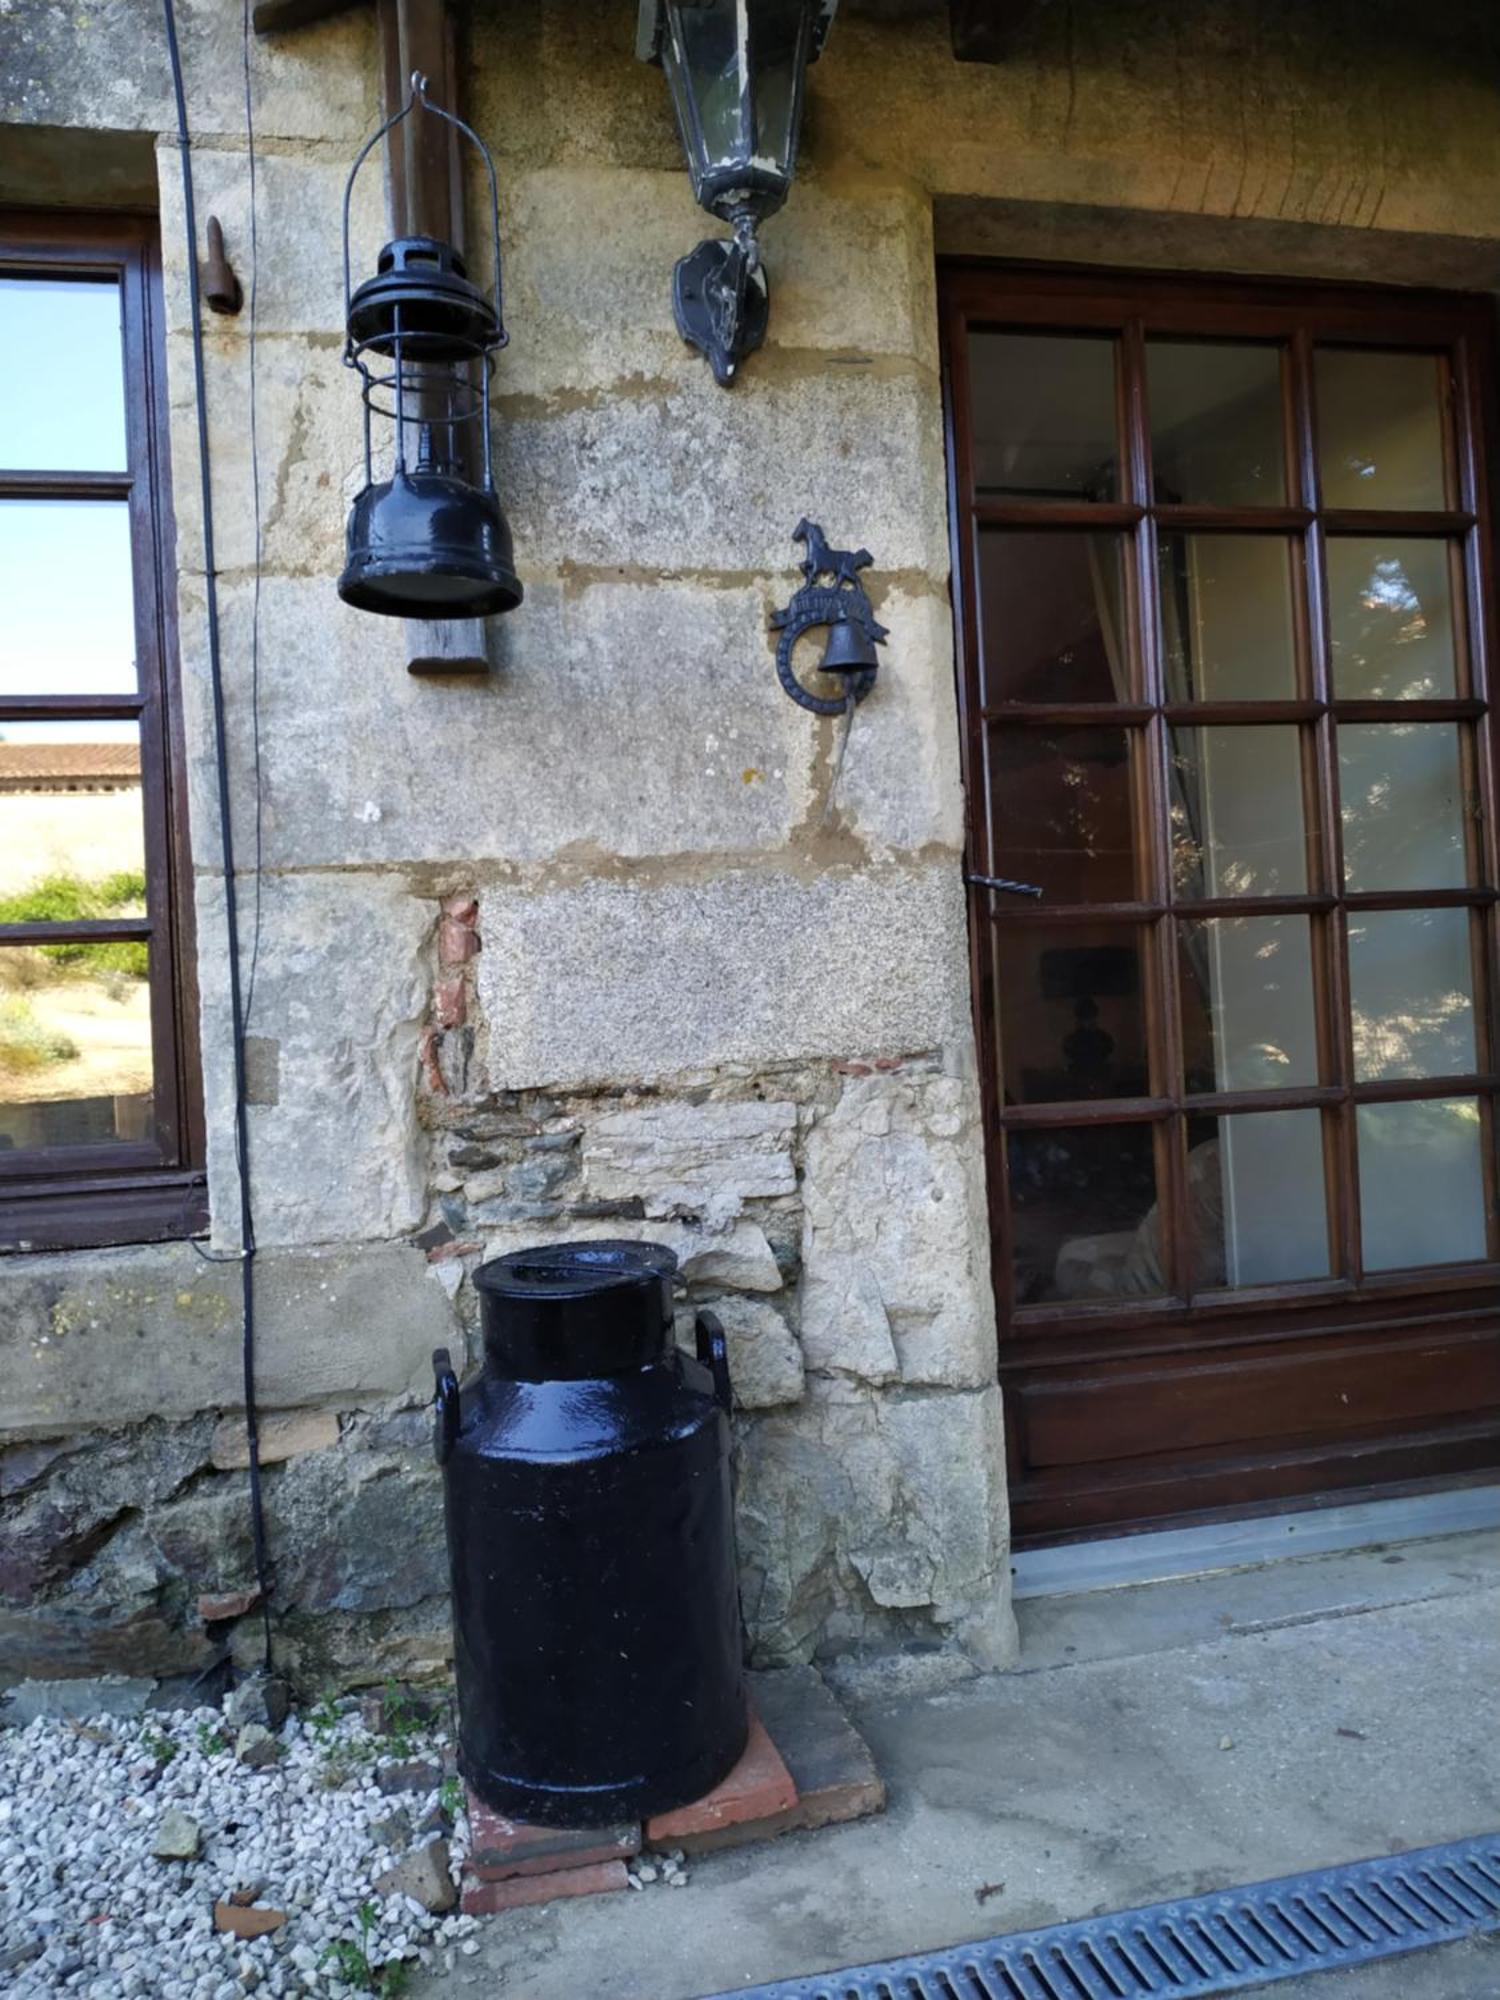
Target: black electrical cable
[{"x": 226, "y": 842}]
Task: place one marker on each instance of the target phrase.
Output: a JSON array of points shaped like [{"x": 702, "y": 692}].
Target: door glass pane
[
  {"x": 1072, "y": 1012},
  {"x": 1061, "y": 812},
  {"x": 1236, "y": 810},
  {"x": 1216, "y": 423},
  {"x": 1055, "y": 624},
  {"x": 1401, "y": 799},
  {"x": 1085, "y": 1219},
  {"x": 1248, "y": 1021},
  {"x": 1380, "y": 431},
  {"x": 68, "y": 593},
  {"x": 1044, "y": 416},
  {"x": 1257, "y": 1211},
  {"x": 1411, "y": 993},
  {"x": 62, "y": 380},
  {"x": 1429, "y": 1150},
  {"x": 1226, "y": 617},
  {"x": 75, "y": 1045},
  {"x": 1390, "y": 619},
  {"x": 72, "y": 840}
]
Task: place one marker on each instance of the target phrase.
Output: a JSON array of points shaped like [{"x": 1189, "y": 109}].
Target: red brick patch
[
  {"x": 484, "y": 1899},
  {"x": 500, "y": 1847},
  {"x": 759, "y": 1786}
]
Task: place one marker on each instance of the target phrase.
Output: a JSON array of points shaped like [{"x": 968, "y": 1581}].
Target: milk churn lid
[{"x": 571, "y": 1310}]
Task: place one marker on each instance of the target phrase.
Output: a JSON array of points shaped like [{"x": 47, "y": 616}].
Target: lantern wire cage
[{"x": 416, "y": 360}]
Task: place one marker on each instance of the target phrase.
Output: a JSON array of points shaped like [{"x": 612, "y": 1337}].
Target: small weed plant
[{"x": 350, "y": 1960}]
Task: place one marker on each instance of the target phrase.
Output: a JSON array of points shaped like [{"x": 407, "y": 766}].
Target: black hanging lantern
[
  {"x": 736, "y": 70},
  {"x": 428, "y": 539}
]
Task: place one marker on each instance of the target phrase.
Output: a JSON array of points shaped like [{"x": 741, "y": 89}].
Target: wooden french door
[{"x": 1224, "y": 561}]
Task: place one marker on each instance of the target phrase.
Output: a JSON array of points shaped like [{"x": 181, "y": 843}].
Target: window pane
[
  {"x": 1084, "y": 1213},
  {"x": 1236, "y": 811},
  {"x": 1431, "y": 1148},
  {"x": 1044, "y": 416},
  {"x": 62, "y": 383},
  {"x": 1401, "y": 800},
  {"x": 1216, "y": 423},
  {"x": 1380, "y": 434},
  {"x": 1248, "y": 1021},
  {"x": 72, "y": 839},
  {"x": 1257, "y": 1211},
  {"x": 1061, "y": 812},
  {"x": 1226, "y": 617},
  {"x": 75, "y": 1045},
  {"x": 1054, "y": 616},
  {"x": 1390, "y": 618},
  {"x": 69, "y": 598},
  {"x": 1072, "y": 1013},
  {"x": 1411, "y": 993}
]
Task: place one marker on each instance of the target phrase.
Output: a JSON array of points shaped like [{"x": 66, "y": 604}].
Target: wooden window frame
[
  {"x": 146, "y": 1191},
  {"x": 987, "y": 297}
]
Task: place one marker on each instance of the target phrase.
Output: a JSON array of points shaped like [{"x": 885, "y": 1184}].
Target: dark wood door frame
[{"x": 1135, "y": 1413}]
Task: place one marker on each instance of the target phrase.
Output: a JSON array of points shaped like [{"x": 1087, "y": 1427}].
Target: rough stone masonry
[{"x": 570, "y": 947}]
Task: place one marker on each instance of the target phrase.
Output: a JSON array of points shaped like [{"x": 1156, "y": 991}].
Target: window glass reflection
[
  {"x": 1236, "y": 811},
  {"x": 1072, "y": 1012},
  {"x": 62, "y": 376},
  {"x": 1085, "y": 1218},
  {"x": 1257, "y": 1210},
  {"x": 1390, "y": 619},
  {"x": 1248, "y": 1020},
  {"x": 1401, "y": 798},
  {"x": 75, "y": 1045},
  {"x": 1216, "y": 423},
  {"x": 1380, "y": 430},
  {"x": 1226, "y": 617},
  {"x": 1432, "y": 1146},
  {"x": 1054, "y": 616},
  {"x": 1411, "y": 993},
  {"x": 1044, "y": 416}
]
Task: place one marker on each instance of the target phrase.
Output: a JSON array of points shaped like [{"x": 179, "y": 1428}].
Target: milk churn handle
[
  {"x": 713, "y": 1352},
  {"x": 445, "y": 1401}
]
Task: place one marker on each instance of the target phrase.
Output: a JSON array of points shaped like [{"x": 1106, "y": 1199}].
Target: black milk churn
[{"x": 591, "y": 1540}]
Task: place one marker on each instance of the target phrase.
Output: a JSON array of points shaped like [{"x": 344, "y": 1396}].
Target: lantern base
[
  {"x": 428, "y": 545},
  {"x": 721, "y": 304}
]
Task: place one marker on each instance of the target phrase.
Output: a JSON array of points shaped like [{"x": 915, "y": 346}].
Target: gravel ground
[{"x": 86, "y": 1907}]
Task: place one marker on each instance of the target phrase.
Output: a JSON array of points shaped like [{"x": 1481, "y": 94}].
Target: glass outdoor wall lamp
[
  {"x": 427, "y": 537},
  {"x": 736, "y": 70}
]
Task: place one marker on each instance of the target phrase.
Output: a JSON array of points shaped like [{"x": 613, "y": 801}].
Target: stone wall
[{"x": 573, "y": 947}]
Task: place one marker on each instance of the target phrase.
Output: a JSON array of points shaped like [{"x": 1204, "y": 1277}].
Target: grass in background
[{"x": 68, "y": 899}]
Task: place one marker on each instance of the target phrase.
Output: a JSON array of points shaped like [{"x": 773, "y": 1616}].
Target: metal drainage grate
[{"x": 1203, "y": 1945}]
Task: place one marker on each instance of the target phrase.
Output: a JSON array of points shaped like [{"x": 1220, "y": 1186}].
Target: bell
[
  {"x": 850, "y": 649},
  {"x": 426, "y": 544}
]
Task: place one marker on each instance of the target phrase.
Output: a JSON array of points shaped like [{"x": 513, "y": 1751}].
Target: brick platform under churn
[{"x": 804, "y": 1766}]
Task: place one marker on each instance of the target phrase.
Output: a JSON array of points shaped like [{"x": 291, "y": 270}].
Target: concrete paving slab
[{"x": 1357, "y": 1723}]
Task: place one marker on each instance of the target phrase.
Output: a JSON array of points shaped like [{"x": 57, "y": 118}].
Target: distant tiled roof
[{"x": 54, "y": 766}]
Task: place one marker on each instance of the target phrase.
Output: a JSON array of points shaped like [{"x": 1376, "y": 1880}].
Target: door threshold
[{"x": 1160, "y": 1554}]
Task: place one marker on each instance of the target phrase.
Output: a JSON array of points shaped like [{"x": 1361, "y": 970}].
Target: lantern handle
[{"x": 419, "y": 96}]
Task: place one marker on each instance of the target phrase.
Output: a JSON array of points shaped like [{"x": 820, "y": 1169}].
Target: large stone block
[
  {"x": 673, "y": 473},
  {"x": 298, "y": 235},
  {"x": 895, "y": 1242},
  {"x": 630, "y": 980},
  {"x": 901, "y": 788},
  {"x": 765, "y": 1361},
  {"x": 309, "y": 448},
  {"x": 704, "y": 1158},
  {"x": 589, "y": 253},
  {"x": 105, "y": 66},
  {"x": 621, "y": 718},
  {"x": 894, "y": 1503},
  {"x": 115, "y": 1337},
  {"x": 341, "y": 987}
]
